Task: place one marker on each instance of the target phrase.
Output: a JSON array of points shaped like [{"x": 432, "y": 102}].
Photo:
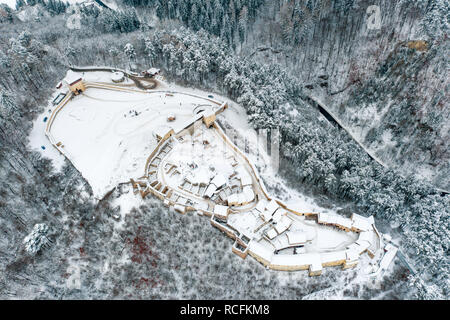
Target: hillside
[
  {"x": 390, "y": 92},
  {"x": 388, "y": 84}
]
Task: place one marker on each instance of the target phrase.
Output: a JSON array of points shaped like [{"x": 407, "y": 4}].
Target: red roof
[{"x": 71, "y": 84}]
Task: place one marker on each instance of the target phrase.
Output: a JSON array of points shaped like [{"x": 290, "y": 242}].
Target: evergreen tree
[
  {"x": 130, "y": 53},
  {"x": 243, "y": 20}
]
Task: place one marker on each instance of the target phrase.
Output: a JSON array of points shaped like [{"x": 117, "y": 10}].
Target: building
[
  {"x": 150, "y": 73},
  {"x": 74, "y": 82},
  {"x": 163, "y": 132},
  {"x": 117, "y": 77},
  {"x": 221, "y": 212},
  {"x": 209, "y": 118},
  {"x": 216, "y": 183}
]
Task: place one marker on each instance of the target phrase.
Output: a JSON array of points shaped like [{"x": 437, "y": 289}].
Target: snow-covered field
[{"x": 108, "y": 135}]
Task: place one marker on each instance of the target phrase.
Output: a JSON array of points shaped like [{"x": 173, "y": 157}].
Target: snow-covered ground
[
  {"x": 38, "y": 141},
  {"x": 11, "y": 3},
  {"x": 108, "y": 135}
]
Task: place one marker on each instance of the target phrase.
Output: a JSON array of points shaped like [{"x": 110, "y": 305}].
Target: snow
[
  {"x": 179, "y": 208},
  {"x": 104, "y": 77},
  {"x": 297, "y": 260},
  {"x": 296, "y": 238},
  {"x": 271, "y": 207},
  {"x": 391, "y": 251},
  {"x": 161, "y": 131},
  {"x": 37, "y": 139},
  {"x": 284, "y": 223},
  {"x": 109, "y": 3},
  {"x": 10, "y": 3},
  {"x": 221, "y": 211},
  {"x": 117, "y": 77},
  {"x": 351, "y": 255},
  {"x": 260, "y": 250},
  {"x": 361, "y": 223},
  {"x": 72, "y": 77},
  {"x": 272, "y": 233},
  {"x": 329, "y": 238},
  {"x": 108, "y": 134},
  {"x": 261, "y": 205},
  {"x": 219, "y": 180},
  {"x": 126, "y": 201}
]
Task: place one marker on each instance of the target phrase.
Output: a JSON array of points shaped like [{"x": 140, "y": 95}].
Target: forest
[{"x": 211, "y": 45}]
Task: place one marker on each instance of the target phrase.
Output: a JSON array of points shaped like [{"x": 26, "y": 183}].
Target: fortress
[{"x": 169, "y": 145}]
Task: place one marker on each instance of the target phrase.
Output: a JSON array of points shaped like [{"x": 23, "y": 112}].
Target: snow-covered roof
[
  {"x": 280, "y": 243},
  {"x": 210, "y": 190},
  {"x": 180, "y": 208},
  {"x": 344, "y": 222},
  {"x": 161, "y": 131},
  {"x": 117, "y": 76},
  {"x": 332, "y": 256},
  {"x": 296, "y": 237},
  {"x": 201, "y": 205},
  {"x": 362, "y": 246},
  {"x": 72, "y": 77},
  {"x": 261, "y": 205},
  {"x": 327, "y": 218},
  {"x": 365, "y": 236},
  {"x": 305, "y": 259},
  {"x": 266, "y": 215},
  {"x": 219, "y": 180},
  {"x": 277, "y": 216},
  {"x": 244, "y": 176},
  {"x": 241, "y": 198},
  {"x": 221, "y": 211},
  {"x": 391, "y": 251},
  {"x": 153, "y": 71},
  {"x": 272, "y": 206},
  {"x": 351, "y": 255},
  {"x": 362, "y": 223},
  {"x": 233, "y": 199},
  {"x": 284, "y": 223},
  {"x": 260, "y": 250},
  {"x": 246, "y": 180},
  {"x": 271, "y": 234},
  {"x": 248, "y": 194},
  {"x": 316, "y": 265}
]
